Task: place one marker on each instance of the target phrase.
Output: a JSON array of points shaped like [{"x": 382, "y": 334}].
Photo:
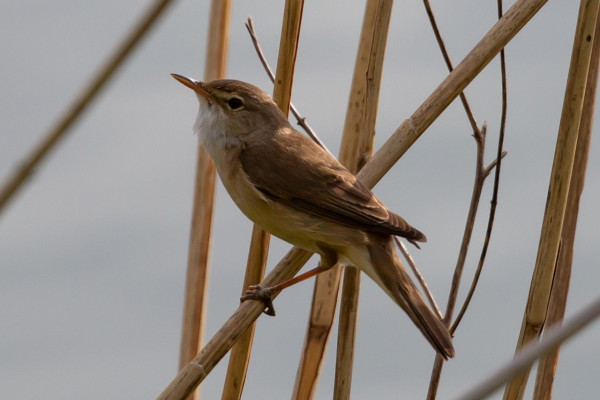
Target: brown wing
[{"x": 316, "y": 183}]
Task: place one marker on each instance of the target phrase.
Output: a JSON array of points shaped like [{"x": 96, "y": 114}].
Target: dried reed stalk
[
  {"x": 562, "y": 276},
  {"x": 344, "y": 361},
  {"x": 541, "y": 283},
  {"x": 194, "y": 308},
  {"x": 356, "y": 146},
  {"x": 62, "y": 125},
  {"x": 534, "y": 350},
  {"x": 259, "y": 244},
  {"x": 240, "y": 352},
  {"x": 500, "y": 34},
  {"x": 288, "y": 49},
  {"x": 195, "y": 371},
  {"x": 487, "y": 48}
]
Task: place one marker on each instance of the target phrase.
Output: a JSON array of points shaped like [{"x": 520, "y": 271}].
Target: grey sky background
[{"x": 93, "y": 250}]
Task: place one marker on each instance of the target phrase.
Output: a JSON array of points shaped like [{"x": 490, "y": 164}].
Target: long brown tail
[{"x": 394, "y": 279}]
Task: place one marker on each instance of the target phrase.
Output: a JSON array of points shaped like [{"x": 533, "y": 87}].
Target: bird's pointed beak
[{"x": 193, "y": 84}]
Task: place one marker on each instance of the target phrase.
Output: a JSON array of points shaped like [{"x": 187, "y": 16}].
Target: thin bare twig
[
  {"x": 480, "y": 176},
  {"x": 492, "y": 165},
  {"x": 301, "y": 120},
  {"x": 479, "y": 135},
  {"x": 482, "y": 173},
  {"x": 420, "y": 279},
  {"x": 493, "y": 203},
  {"x": 438, "y": 37}
]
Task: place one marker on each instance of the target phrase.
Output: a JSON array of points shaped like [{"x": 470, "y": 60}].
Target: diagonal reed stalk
[
  {"x": 72, "y": 114},
  {"x": 534, "y": 350},
  {"x": 194, "y": 308},
  {"x": 560, "y": 285},
  {"x": 541, "y": 283},
  {"x": 488, "y": 47},
  {"x": 240, "y": 353},
  {"x": 356, "y": 146},
  {"x": 259, "y": 244}
]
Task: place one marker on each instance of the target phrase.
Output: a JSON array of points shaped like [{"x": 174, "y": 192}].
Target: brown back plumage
[{"x": 309, "y": 170}]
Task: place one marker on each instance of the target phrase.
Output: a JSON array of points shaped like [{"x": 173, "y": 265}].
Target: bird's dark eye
[{"x": 234, "y": 103}]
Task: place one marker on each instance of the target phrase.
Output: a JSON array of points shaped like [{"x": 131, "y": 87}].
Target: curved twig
[
  {"x": 494, "y": 201},
  {"x": 301, "y": 120},
  {"x": 438, "y": 37},
  {"x": 422, "y": 282},
  {"x": 481, "y": 174}
]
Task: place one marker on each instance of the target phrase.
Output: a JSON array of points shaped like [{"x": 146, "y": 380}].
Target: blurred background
[{"x": 93, "y": 250}]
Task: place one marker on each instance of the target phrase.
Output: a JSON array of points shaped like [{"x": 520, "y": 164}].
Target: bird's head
[{"x": 233, "y": 108}]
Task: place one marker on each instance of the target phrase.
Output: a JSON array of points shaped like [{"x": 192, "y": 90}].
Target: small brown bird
[{"x": 293, "y": 188}]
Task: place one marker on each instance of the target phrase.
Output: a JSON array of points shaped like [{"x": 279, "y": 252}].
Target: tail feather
[{"x": 393, "y": 278}]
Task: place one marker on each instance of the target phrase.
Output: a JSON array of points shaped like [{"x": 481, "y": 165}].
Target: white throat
[
  {"x": 205, "y": 120},
  {"x": 212, "y": 133}
]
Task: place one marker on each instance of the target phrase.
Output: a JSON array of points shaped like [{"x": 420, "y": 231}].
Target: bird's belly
[{"x": 296, "y": 227}]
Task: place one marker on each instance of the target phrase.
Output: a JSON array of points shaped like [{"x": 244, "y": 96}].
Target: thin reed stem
[
  {"x": 497, "y": 164},
  {"x": 562, "y": 167},
  {"x": 259, "y": 244},
  {"x": 194, "y": 308},
  {"x": 560, "y": 286},
  {"x": 356, "y": 147},
  {"x": 419, "y": 276}
]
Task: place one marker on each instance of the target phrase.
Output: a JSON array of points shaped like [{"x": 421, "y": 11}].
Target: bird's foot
[{"x": 256, "y": 292}]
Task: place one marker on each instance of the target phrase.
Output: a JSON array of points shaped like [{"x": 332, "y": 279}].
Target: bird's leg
[{"x": 256, "y": 292}]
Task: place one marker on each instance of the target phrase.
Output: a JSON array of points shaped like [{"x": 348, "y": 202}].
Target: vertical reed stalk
[
  {"x": 240, "y": 352},
  {"x": 196, "y": 370},
  {"x": 202, "y": 212},
  {"x": 356, "y": 147},
  {"x": 474, "y": 62},
  {"x": 259, "y": 244},
  {"x": 539, "y": 293},
  {"x": 562, "y": 276}
]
